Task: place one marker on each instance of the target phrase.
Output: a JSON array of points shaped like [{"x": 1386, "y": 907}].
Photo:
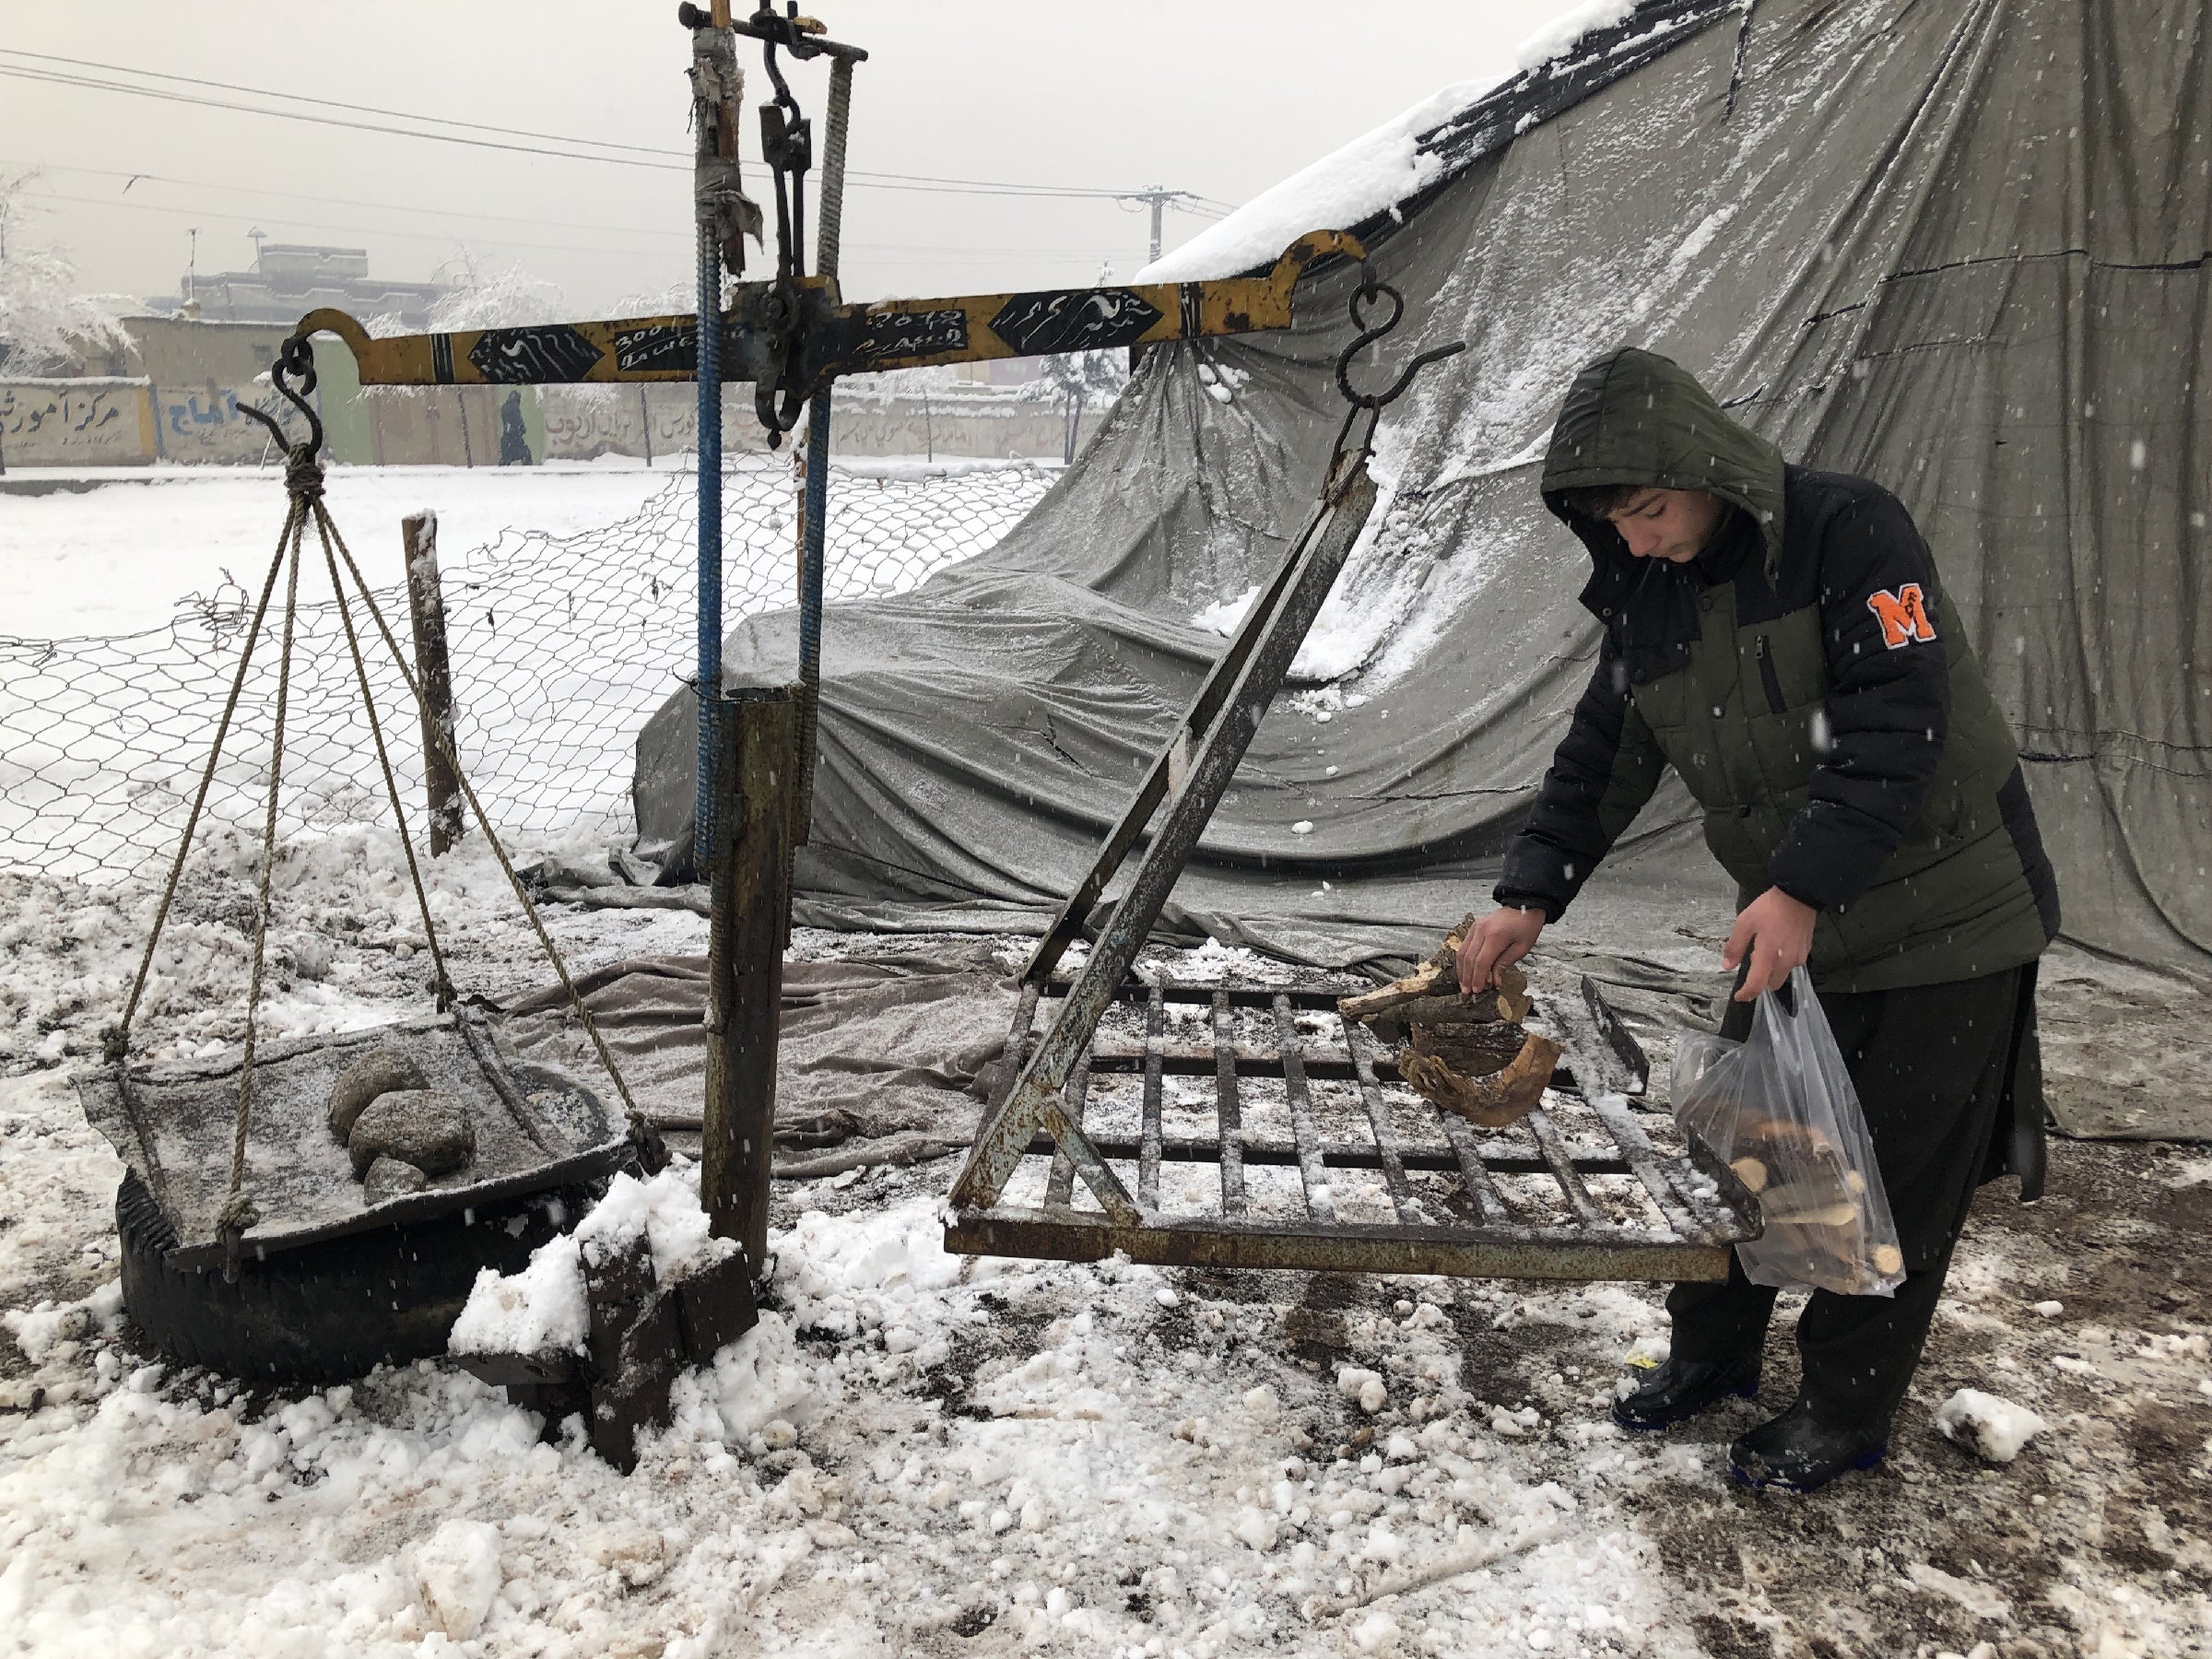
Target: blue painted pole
[
  {"x": 710, "y": 542},
  {"x": 814, "y": 516}
]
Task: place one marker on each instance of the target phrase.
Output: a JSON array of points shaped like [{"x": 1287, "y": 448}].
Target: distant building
[{"x": 290, "y": 279}]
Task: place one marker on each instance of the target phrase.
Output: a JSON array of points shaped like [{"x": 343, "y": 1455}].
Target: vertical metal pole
[
  {"x": 433, "y": 673},
  {"x": 709, "y": 537},
  {"x": 713, "y": 60},
  {"x": 750, "y": 897},
  {"x": 814, "y": 509},
  {"x": 830, "y": 207},
  {"x": 815, "y": 505}
]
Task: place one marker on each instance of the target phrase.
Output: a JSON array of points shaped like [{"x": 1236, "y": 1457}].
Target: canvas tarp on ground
[{"x": 1956, "y": 245}]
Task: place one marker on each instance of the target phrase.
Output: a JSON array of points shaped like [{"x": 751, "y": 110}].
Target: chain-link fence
[{"x": 560, "y": 649}]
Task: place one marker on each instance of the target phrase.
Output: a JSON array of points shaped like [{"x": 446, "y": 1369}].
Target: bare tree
[{"x": 45, "y": 320}]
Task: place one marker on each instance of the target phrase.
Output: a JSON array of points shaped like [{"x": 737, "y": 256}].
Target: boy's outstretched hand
[{"x": 1499, "y": 940}]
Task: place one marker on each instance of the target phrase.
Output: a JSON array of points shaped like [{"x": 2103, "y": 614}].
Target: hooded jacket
[{"x": 1807, "y": 678}]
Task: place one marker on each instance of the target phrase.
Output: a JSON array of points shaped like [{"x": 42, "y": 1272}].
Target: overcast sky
[{"x": 1207, "y": 96}]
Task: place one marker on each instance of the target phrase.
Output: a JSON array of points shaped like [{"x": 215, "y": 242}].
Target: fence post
[
  {"x": 756, "y": 734},
  {"x": 426, "y": 601}
]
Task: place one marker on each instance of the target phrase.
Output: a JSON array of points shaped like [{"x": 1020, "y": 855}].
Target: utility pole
[{"x": 1157, "y": 196}]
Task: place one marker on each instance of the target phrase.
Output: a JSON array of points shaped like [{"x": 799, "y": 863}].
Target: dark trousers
[{"x": 1930, "y": 1065}]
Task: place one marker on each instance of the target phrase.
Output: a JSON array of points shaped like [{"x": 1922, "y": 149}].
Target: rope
[
  {"x": 441, "y": 984},
  {"x": 118, "y": 1044},
  {"x": 236, "y": 1214},
  {"x": 637, "y": 1118}
]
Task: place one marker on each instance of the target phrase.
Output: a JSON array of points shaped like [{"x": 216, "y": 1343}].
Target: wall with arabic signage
[
  {"x": 75, "y": 422},
  {"x": 92, "y": 422}
]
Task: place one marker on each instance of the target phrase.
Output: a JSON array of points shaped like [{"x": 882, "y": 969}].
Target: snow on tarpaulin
[
  {"x": 1932, "y": 242},
  {"x": 1372, "y": 174}
]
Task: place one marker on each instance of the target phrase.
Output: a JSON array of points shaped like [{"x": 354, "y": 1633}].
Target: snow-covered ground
[
  {"x": 918, "y": 1453},
  {"x": 109, "y": 551}
]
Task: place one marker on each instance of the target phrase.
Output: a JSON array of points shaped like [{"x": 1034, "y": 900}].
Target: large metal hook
[
  {"x": 295, "y": 357},
  {"x": 1364, "y": 296}
]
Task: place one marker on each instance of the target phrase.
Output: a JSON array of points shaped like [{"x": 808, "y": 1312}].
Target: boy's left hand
[{"x": 1777, "y": 930}]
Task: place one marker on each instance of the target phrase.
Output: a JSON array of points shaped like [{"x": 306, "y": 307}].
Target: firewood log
[
  {"x": 1437, "y": 976},
  {"x": 1809, "y": 1203},
  {"x": 1494, "y": 1101}
]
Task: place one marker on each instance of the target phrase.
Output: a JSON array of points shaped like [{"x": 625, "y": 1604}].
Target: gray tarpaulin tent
[{"x": 1957, "y": 245}]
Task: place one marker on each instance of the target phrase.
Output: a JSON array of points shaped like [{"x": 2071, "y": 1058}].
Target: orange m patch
[{"x": 1904, "y": 616}]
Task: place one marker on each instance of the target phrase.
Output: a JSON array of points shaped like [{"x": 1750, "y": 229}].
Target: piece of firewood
[
  {"x": 1436, "y": 989},
  {"x": 1888, "y": 1259},
  {"x": 1806, "y": 1203},
  {"x": 1751, "y": 1172},
  {"x": 1505, "y": 1098},
  {"x": 1788, "y": 1139}
]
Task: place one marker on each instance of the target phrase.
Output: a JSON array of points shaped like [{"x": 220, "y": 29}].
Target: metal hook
[
  {"x": 295, "y": 357},
  {"x": 1362, "y": 297}
]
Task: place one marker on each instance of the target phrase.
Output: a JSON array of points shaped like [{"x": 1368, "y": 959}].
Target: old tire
[{"x": 330, "y": 1311}]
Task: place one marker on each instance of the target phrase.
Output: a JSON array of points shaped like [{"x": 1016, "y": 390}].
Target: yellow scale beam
[{"x": 890, "y": 334}]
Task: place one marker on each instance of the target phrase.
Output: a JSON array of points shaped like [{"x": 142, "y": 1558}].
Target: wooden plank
[
  {"x": 434, "y": 676},
  {"x": 750, "y": 902}
]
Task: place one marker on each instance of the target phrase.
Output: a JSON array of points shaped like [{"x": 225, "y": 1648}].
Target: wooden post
[
  {"x": 757, "y": 736},
  {"x": 426, "y": 599}
]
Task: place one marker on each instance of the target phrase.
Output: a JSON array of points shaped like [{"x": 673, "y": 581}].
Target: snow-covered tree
[
  {"x": 482, "y": 296},
  {"x": 1075, "y": 381},
  {"x": 45, "y": 320}
]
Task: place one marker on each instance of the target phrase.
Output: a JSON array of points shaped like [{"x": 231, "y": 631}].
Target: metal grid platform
[{"x": 1256, "y": 1127}]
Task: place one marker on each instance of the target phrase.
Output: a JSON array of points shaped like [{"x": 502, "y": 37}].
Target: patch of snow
[
  {"x": 1993, "y": 1429},
  {"x": 540, "y": 1310},
  {"x": 1372, "y": 173},
  {"x": 1978, "y": 1599},
  {"x": 457, "y": 1570},
  {"x": 543, "y": 1308},
  {"x": 1565, "y": 32},
  {"x": 1224, "y": 617}
]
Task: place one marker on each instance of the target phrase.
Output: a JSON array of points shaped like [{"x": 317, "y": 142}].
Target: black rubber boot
[
  {"x": 1677, "y": 1389},
  {"x": 1801, "y": 1451}
]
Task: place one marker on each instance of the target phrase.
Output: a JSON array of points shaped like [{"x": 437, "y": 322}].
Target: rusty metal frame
[
  {"x": 1213, "y": 736},
  {"x": 1703, "y": 1208}
]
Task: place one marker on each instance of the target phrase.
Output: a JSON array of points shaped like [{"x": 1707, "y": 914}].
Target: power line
[
  {"x": 328, "y": 104},
  {"x": 164, "y": 95},
  {"x": 946, "y": 255},
  {"x": 295, "y": 195},
  {"x": 641, "y": 155}
]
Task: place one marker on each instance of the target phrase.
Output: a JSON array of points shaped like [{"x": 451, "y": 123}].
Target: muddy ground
[{"x": 2094, "y": 1542}]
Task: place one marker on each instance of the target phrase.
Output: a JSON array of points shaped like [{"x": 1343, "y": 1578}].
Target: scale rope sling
[{"x": 303, "y": 485}]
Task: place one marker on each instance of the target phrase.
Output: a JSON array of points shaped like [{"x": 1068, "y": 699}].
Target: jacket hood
[{"x": 1636, "y": 417}]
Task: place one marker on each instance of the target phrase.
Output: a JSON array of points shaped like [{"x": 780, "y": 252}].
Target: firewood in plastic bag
[{"x": 1781, "y": 1112}]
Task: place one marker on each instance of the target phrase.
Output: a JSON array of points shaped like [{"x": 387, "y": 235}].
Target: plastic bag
[{"x": 1781, "y": 1112}]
